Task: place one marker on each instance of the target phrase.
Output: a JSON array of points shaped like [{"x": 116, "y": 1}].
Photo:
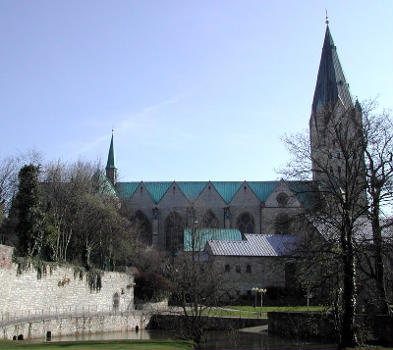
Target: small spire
[
  {"x": 111, "y": 156},
  {"x": 326, "y": 17},
  {"x": 358, "y": 106}
]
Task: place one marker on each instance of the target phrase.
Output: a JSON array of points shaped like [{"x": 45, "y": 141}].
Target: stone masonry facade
[
  {"x": 244, "y": 273},
  {"x": 5, "y": 256},
  {"x": 264, "y": 214},
  {"x": 59, "y": 290},
  {"x": 75, "y": 325}
]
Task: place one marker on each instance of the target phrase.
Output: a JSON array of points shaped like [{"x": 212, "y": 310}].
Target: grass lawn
[
  {"x": 277, "y": 308},
  {"x": 230, "y": 313},
  {"x": 252, "y": 312},
  {"x": 165, "y": 344}
]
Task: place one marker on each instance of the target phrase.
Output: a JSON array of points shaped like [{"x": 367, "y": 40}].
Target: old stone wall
[
  {"x": 319, "y": 326},
  {"x": 60, "y": 290},
  {"x": 302, "y": 326},
  {"x": 75, "y": 325},
  {"x": 177, "y": 322},
  {"x": 5, "y": 256},
  {"x": 153, "y": 307}
]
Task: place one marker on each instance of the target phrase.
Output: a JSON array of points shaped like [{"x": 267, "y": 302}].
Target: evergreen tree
[{"x": 30, "y": 226}]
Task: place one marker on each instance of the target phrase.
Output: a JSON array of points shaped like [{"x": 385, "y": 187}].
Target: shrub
[{"x": 151, "y": 287}]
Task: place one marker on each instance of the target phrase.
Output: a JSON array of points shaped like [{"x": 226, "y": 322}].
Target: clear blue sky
[{"x": 195, "y": 90}]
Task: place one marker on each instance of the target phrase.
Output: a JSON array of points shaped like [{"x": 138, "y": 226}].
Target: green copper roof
[
  {"x": 126, "y": 189},
  {"x": 331, "y": 84},
  {"x": 227, "y": 189},
  {"x": 204, "y": 234},
  {"x": 262, "y": 189},
  {"x": 110, "y": 164},
  {"x": 104, "y": 185},
  {"x": 303, "y": 190},
  {"x": 157, "y": 189},
  {"x": 192, "y": 189}
]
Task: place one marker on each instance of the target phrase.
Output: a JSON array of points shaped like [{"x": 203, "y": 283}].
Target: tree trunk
[
  {"x": 348, "y": 330},
  {"x": 381, "y": 305},
  {"x": 88, "y": 256}
]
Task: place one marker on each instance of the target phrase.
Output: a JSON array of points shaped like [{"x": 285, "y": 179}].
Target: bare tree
[
  {"x": 83, "y": 216},
  {"x": 335, "y": 158},
  {"x": 352, "y": 166},
  {"x": 196, "y": 285},
  {"x": 8, "y": 180},
  {"x": 378, "y": 152},
  {"x": 64, "y": 187}
]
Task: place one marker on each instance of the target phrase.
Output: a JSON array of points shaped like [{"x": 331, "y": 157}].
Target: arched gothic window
[
  {"x": 245, "y": 223},
  {"x": 282, "y": 224},
  {"x": 174, "y": 232},
  {"x": 210, "y": 220},
  {"x": 143, "y": 227}
]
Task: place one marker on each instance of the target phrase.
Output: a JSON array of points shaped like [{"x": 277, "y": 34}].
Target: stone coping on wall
[{"x": 152, "y": 307}]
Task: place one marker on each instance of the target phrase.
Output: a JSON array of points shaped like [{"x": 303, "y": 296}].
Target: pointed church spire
[
  {"x": 331, "y": 85},
  {"x": 111, "y": 156},
  {"x": 110, "y": 164}
]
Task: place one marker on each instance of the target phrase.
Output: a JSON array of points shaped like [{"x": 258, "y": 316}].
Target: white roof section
[{"x": 254, "y": 245}]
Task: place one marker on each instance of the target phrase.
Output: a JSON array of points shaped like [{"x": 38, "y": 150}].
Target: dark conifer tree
[{"x": 30, "y": 216}]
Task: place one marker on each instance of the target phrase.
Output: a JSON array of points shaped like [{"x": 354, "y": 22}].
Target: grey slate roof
[{"x": 254, "y": 245}]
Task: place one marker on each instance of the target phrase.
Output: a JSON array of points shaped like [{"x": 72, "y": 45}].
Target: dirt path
[{"x": 257, "y": 329}]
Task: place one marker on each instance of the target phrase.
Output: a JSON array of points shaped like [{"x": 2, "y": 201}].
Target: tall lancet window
[
  {"x": 174, "y": 232},
  {"x": 245, "y": 223}
]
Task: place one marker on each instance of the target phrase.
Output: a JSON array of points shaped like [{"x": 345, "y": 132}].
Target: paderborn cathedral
[{"x": 247, "y": 223}]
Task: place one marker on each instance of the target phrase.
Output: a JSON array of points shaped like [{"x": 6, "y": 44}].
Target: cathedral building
[{"x": 166, "y": 209}]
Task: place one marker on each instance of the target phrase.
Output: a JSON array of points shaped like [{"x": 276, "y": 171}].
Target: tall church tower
[
  {"x": 111, "y": 170},
  {"x": 334, "y": 117}
]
